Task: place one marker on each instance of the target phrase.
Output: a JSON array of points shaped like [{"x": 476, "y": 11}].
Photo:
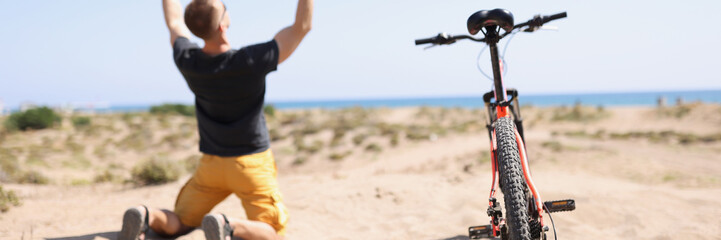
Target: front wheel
[{"x": 513, "y": 184}]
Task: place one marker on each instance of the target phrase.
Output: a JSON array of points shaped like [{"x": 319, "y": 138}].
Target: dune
[{"x": 635, "y": 172}]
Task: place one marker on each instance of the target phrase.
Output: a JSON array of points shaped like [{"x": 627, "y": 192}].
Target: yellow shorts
[{"x": 253, "y": 178}]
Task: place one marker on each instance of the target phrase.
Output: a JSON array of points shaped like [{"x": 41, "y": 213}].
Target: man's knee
[{"x": 172, "y": 225}]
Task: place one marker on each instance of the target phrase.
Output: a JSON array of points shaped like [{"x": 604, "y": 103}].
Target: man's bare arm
[
  {"x": 290, "y": 37},
  {"x": 174, "y": 19}
]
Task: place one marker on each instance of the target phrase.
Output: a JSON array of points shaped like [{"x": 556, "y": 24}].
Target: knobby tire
[{"x": 513, "y": 184}]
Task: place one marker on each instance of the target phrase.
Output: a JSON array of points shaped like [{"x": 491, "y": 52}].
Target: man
[{"x": 229, "y": 87}]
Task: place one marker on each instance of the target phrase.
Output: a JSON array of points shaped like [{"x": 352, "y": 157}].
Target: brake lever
[
  {"x": 534, "y": 24},
  {"x": 442, "y": 39},
  {"x": 426, "y": 48},
  {"x": 546, "y": 27},
  {"x": 445, "y": 39},
  {"x": 537, "y": 21}
]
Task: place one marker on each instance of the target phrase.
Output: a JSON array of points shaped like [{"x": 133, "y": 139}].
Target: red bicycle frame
[{"x": 502, "y": 109}]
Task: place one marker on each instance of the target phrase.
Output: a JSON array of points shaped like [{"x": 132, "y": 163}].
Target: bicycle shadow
[
  {"x": 108, "y": 235},
  {"x": 461, "y": 237},
  {"x": 105, "y": 235}
]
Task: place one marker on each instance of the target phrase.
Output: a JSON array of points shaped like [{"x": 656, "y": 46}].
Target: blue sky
[{"x": 58, "y": 52}]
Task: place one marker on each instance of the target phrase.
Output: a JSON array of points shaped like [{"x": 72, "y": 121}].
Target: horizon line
[{"x": 108, "y": 104}]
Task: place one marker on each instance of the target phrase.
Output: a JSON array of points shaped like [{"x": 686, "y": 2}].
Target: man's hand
[
  {"x": 290, "y": 37},
  {"x": 174, "y": 20}
]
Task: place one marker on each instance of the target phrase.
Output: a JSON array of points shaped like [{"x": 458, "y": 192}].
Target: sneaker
[
  {"x": 217, "y": 227},
  {"x": 134, "y": 223}
]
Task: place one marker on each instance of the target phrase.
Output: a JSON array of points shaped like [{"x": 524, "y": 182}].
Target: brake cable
[
  {"x": 503, "y": 59},
  {"x": 555, "y": 236},
  {"x": 503, "y": 55},
  {"x": 478, "y": 62}
]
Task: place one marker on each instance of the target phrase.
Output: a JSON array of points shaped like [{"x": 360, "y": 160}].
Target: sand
[{"x": 624, "y": 187}]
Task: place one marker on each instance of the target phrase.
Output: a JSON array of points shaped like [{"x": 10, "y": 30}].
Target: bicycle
[{"x": 523, "y": 205}]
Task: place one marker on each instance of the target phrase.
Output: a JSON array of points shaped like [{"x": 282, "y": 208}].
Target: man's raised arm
[
  {"x": 174, "y": 20},
  {"x": 290, "y": 37}
]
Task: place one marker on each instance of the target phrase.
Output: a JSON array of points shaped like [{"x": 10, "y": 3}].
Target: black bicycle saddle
[{"x": 499, "y": 17}]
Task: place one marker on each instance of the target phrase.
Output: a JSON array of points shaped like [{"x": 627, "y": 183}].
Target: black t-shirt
[{"x": 229, "y": 93}]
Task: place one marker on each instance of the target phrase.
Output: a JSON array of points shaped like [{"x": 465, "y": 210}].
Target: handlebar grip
[
  {"x": 555, "y": 16},
  {"x": 425, "y": 40}
]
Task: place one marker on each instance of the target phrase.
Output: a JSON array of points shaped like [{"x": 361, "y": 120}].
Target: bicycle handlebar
[
  {"x": 533, "y": 24},
  {"x": 538, "y": 21},
  {"x": 444, "y": 39},
  {"x": 425, "y": 40},
  {"x": 556, "y": 16}
]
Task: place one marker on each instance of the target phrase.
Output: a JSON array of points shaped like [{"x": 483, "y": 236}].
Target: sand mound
[{"x": 432, "y": 182}]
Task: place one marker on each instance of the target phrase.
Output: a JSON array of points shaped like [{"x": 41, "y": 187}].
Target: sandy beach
[{"x": 401, "y": 173}]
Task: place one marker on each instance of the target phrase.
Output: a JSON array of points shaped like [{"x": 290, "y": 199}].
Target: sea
[{"x": 592, "y": 99}]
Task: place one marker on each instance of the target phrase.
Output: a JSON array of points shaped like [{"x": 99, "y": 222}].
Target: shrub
[
  {"x": 302, "y": 147},
  {"x": 275, "y": 135},
  {"x": 373, "y": 148},
  {"x": 36, "y": 118},
  {"x": 128, "y": 117},
  {"x": 711, "y": 138},
  {"x": 106, "y": 176},
  {"x": 553, "y": 145},
  {"x": 424, "y": 111},
  {"x": 155, "y": 171},
  {"x": 347, "y": 119},
  {"x": 579, "y": 113},
  {"x": 298, "y": 142},
  {"x": 688, "y": 138},
  {"x": 418, "y": 133},
  {"x": 578, "y": 133},
  {"x": 101, "y": 151},
  {"x": 172, "y": 139},
  {"x": 138, "y": 139},
  {"x": 599, "y": 134},
  {"x": 666, "y": 136},
  {"x": 354, "y": 116},
  {"x": 80, "y": 121},
  {"x": 269, "y": 110},
  {"x": 287, "y": 119},
  {"x": 678, "y": 111},
  {"x": 339, "y": 156},
  {"x": 79, "y": 182},
  {"x": 78, "y": 161},
  {"x": 338, "y": 135},
  {"x": 33, "y": 177},
  {"x": 389, "y": 129},
  {"x": 8, "y": 198},
  {"x": 10, "y": 170},
  {"x": 395, "y": 139},
  {"x": 191, "y": 163},
  {"x": 36, "y": 159},
  {"x": 308, "y": 129},
  {"x": 73, "y": 146},
  {"x": 185, "y": 110},
  {"x": 315, "y": 147},
  {"x": 38, "y": 151},
  {"x": 668, "y": 177},
  {"x": 300, "y": 160},
  {"x": 468, "y": 126},
  {"x": 9, "y": 166},
  {"x": 484, "y": 157},
  {"x": 187, "y": 129},
  {"x": 358, "y": 139}
]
